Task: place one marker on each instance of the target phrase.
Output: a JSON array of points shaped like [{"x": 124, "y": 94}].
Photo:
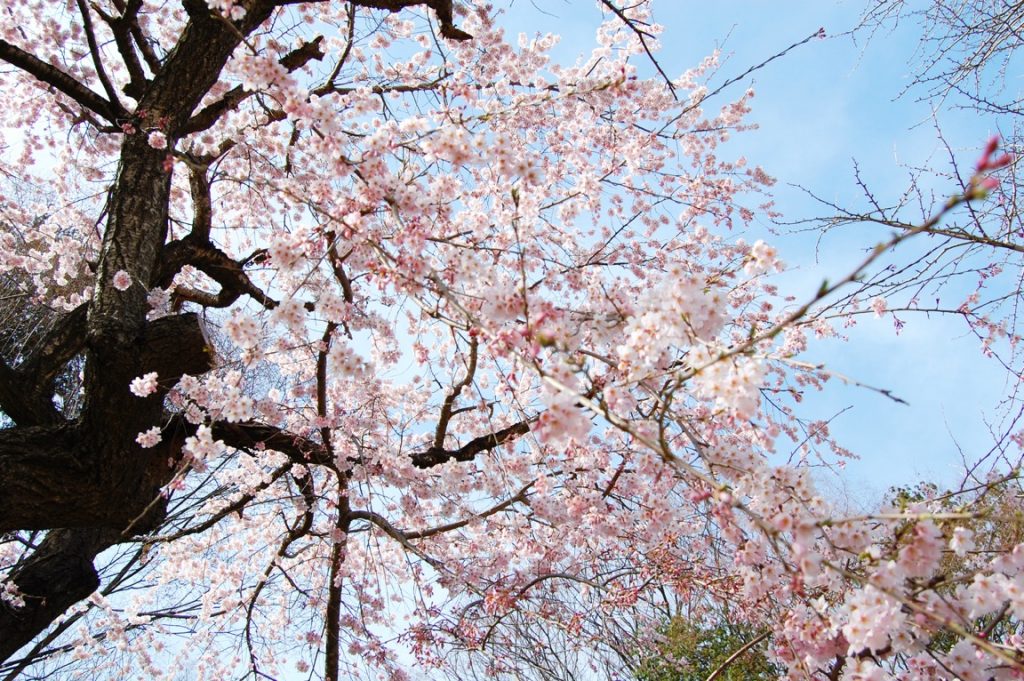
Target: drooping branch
[
  {"x": 396, "y": 534},
  {"x": 739, "y": 652}
]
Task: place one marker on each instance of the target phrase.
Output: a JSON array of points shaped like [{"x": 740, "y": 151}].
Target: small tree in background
[{"x": 692, "y": 651}]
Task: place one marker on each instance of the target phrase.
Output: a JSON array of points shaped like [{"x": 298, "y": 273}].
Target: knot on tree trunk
[{"x": 177, "y": 345}]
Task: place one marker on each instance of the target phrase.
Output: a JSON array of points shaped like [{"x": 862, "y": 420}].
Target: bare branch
[{"x": 643, "y": 36}]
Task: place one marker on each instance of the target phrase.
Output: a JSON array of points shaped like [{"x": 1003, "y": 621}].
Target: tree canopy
[{"x": 346, "y": 338}]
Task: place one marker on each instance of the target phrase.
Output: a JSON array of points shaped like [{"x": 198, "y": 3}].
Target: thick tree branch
[
  {"x": 215, "y": 264},
  {"x": 131, "y": 17},
  {"x": 174, "y": 346},
  {"x": 26, "y": 392},
  {"x": 53, "y": 76},
  {"x": 443, "y": 9},
  {"x": 66, "y": 475},
  {"x": 259, "y": 436},
  {"x": 197, "y": 250},
  {"x": 435, "y": 456},
  {"x": 97, "y": 57},
  {"x": 65, "y": 340},
  {"x": 202, "y": 203},
  {"x": 211, "y": 113},
  {"x": 57, "y": 575},
  {"x": 121, "y": 27},
  {"x": 48, "y": 480},
  {"x": 334, "y": 590},
  {"x": 194, "y": 64},
  {"x": 252, "y": 435},
  {"x": 22, "y": 401}
]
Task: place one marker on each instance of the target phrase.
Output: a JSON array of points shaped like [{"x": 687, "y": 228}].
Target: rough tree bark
[{"x": 88, "y": 480}]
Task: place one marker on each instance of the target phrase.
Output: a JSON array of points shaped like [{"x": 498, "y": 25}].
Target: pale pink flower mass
[
  {"x": 144, "y": 385},
  {"x": 122, "y": 280},
  {"x": 149, "y": 438},
  {"x": 157, "y": 140}
]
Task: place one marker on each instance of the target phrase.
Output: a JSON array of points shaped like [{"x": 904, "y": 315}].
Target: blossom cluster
[
  {"x": 682, "y": 310},
  {"x": 145, "y": 385}
]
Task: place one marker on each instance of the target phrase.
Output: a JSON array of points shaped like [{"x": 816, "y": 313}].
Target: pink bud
[
  {"x": 992, "y": 145},
  {"x": 990, "y": 148},
  {"x": 1001, "y": 162},
  {"x": 988, "y": 184}
]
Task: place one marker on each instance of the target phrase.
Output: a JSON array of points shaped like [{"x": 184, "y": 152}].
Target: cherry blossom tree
[{"x": 396, "y": 334}]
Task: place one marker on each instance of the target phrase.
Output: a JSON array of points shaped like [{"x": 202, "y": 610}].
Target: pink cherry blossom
[
  {"x": 157, "y": 140},
  {"x": 122, "y": 280},
  {"x": 144, "y": 385},
  {"x": 149, "y": 438}
]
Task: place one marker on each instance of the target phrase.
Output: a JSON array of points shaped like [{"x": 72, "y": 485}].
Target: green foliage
[
  {"x": 995, "y": 516},
  {"x": 691, "y": 652}
]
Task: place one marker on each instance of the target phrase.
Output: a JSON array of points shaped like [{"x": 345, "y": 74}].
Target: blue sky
[{"x": 820, "y": 108}]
